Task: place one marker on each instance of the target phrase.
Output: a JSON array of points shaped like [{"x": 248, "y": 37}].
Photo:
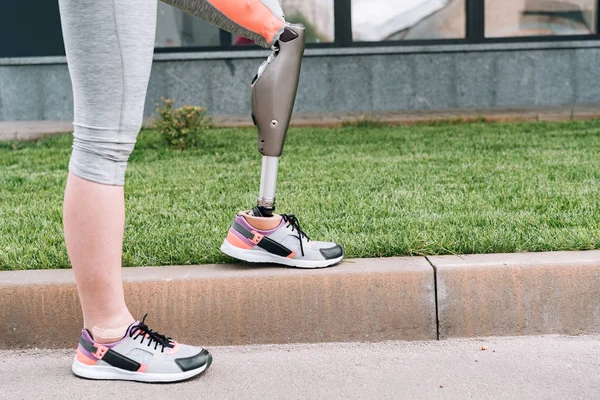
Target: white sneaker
[
  {"x": 141, "y": 355},
  {"x": 285, "y": 244}
]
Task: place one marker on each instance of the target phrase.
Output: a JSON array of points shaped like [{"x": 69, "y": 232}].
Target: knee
[{"x": 101, "y": 155}]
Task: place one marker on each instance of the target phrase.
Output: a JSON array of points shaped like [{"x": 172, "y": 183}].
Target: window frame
[{"x": 474, "y": 33}]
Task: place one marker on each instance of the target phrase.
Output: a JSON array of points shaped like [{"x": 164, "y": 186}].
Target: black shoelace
[
  {"x": 293, "y": 222},
  {"x": 153, "y": 337}
]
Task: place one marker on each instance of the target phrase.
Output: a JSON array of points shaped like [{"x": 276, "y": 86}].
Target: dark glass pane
[
  {"x": 509, "y": 18},
  {"x": 316, "y": 15},
  {"x": 24, "y": 33},
  {"x": 378, "y": 20},
  {"x": 178, "y": 29}
]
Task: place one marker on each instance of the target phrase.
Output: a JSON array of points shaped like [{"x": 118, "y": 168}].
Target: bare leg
[
  {"x": 94, "y": 218},
  {"x": 109, "y": 46}
]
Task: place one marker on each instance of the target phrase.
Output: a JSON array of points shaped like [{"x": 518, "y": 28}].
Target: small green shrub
[{"x": 181, "y": 127}]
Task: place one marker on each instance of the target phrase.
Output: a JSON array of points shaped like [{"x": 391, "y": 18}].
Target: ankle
[{"x": 111, "y": 329}]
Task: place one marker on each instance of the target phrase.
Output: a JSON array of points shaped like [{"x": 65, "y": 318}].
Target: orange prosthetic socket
[
  {"x": 262, "y": 223},
  {"x": 252, "y": 15}
]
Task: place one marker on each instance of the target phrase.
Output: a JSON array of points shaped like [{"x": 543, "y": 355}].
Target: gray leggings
[{"x": 109, "y": 46}]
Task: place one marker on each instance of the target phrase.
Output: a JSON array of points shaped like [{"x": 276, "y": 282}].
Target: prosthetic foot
[{"x": 260, "y": 235}]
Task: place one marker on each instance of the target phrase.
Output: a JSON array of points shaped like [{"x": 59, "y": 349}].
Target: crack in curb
[{"x": 435, "y": 291}]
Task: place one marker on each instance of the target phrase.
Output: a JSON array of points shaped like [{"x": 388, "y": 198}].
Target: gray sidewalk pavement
[{"x": 550, "y": 367}]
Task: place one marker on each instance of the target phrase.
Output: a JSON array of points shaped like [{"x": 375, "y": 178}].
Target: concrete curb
[
  {"x": 406, "y": 298},
  {"x": 360, "y": 300},
  {"x": 32, "y": 130},
  {"x": 518, "y": 294}
]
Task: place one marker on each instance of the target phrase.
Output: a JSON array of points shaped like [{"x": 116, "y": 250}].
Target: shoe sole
[
  {"x": 107, "y": 372},
  {"x": 253, "y": 256}
]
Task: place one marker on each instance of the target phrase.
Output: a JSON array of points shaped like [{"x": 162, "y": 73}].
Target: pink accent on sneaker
[
  {"x": 174, "y": 349},
  {"x": 257, "y": 237},
  {"x": 100, "y": 351},
  {"x": 234, "y": 240},
  {"x": 82, "y": 358},
  {"x": 142, "y": 368}
]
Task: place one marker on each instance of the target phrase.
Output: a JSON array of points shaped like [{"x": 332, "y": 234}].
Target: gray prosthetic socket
[
  {"x": 274, "y": 90},
  {"x": 273, "y": 96}
]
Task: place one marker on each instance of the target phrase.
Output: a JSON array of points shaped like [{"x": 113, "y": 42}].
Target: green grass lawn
[{"x": 379, "y": 191}]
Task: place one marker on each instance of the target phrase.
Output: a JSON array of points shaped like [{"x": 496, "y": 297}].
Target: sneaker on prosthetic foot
[
  {"x": 278, "y": 240},
  {"x": 142, "y": 355}
]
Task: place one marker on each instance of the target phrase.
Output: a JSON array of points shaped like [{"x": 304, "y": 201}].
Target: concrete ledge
[
  {"x": 360, "y": 300},
  {"x": 518, "y": 294},
  {"x": 336, "y": 51},
  {"x": 32, "y": 130}
]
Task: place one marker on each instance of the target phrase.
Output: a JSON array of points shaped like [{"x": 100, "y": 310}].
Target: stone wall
[{"x": 403, "y": 78}]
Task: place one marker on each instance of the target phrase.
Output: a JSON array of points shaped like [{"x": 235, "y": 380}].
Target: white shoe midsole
[
  {"x": 111, "y": 373},
  {"x": 254, "y": 256}
]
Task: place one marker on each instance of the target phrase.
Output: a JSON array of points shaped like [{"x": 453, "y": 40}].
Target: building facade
[{"x": 362, "y": 55}]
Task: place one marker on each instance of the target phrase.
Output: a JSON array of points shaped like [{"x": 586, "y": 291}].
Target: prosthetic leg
[
  {"x": 273, "y": 96},
  {"x": 260, "y": 236}
]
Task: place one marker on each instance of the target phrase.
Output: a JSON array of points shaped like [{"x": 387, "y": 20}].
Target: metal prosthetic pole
[{"x": 273, "y": 96}]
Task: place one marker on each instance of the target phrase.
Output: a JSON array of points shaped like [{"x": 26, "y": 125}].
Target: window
[
  {"x": 315, "y": 15},
  {"x": 378, "y": 20},
  {"x": 178, "y": 29},
  {"x": 508, "y": 18},
  {"x": 358, "y": 23}
]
